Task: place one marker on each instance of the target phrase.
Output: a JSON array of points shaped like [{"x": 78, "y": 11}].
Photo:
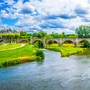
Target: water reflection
[
  {"x": 52, "y": 73},
  {"x": 40, "y": 62}
]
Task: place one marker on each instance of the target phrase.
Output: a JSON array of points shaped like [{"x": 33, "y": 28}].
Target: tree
[
  {"x": 83, "y": 31},
  {"x": 22, "y": 33},
  {"x": 29, "y": 38},
  {"x": 10, "y": 29},
  {"x": 37, "y": 35},
  {"x": 43, "y": 33},
  {"x": 64, "y": 35},
  {"x": 16, "y": 36},
  {"x": 86, "y": 44},
  {"x": 29, "y": 34},
  {"x": 8, "y": 36}
]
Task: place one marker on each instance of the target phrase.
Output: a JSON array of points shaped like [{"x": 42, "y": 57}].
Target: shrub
[
  {"x": 36, "y": 45},
  {"x": 40, "y": 53},
  {"x": 86, "y": 44},
  {"x": 38, "y": 58}
]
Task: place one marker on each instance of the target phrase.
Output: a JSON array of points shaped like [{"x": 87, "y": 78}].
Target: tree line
[{"x": 80, "y": 32}]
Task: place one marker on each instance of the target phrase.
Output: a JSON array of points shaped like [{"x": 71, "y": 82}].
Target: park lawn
[
  {"x": 66, "y": 51},
  {"x": 9, "y": 46},
  {"x": 19, "y": 55}
]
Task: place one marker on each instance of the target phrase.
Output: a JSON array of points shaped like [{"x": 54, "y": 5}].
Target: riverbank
[
  {"x": 26, "y": 53},
  {"x": 66, "y": 51}
]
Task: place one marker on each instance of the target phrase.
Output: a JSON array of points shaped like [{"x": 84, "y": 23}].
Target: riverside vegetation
[
  {"x": 69, "y": 49},
  {"x": 66, "y": 51},
  {"x": 26, "y": 53}
]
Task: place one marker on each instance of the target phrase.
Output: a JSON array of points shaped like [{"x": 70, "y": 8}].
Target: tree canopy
[{"x": 83, "y": 31}]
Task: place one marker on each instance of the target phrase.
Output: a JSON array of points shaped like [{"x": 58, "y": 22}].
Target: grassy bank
[
  {"x": 24, "y": 54},
  {"x": 9, "y": 46},
  {"x": 66, "y": 51}
]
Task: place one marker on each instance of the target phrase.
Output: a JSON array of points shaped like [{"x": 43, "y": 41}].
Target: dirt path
[{"x": 13, "y": 48}]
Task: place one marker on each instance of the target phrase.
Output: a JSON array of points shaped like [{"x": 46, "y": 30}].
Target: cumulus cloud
[
  {"x": 81, "y": 11},
  {"x": 47, "y": 15},
  {"x": 27, "y": 9},
  {"x": 9, "y": 2}
]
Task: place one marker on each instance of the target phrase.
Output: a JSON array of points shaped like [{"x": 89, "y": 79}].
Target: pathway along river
[{"x": 53, "y": 73}]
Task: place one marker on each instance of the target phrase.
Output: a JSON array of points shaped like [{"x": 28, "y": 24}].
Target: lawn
[
  {"x": 19, "y": 55},
  {"x": 66, "y": 51},
  {"x": 9, "y": 46}
]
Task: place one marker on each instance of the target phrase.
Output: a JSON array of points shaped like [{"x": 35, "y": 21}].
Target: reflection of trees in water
[{"x": 40, "y": 62}]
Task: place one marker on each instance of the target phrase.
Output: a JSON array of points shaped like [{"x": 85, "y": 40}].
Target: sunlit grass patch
[
  {"x": 9, "y": 46},
  {"x": 66, "y": 51}
]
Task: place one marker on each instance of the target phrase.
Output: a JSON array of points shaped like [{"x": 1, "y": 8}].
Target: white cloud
[
  {"x": 9, "y": 2},
  {"x": 48, "y": 15}
]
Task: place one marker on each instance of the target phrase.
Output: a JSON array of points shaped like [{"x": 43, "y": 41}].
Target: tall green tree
[
  {"x": 37, "y": 35},
  {"x": 43, "y": 33},
  {"x": 83, "y": 31},
  {"x": 16, "y": 36}
]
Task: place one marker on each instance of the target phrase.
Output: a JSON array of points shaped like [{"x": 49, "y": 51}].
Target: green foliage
[
  {"x": 10, "y": 35},
  {"x": 38, "y": 35},
  {"x": 73, "y": 36},
  {"x": 86, "y": 44},
  {"x": 83, "y": 31},
  {"x": 10, "y": 29},
  {"x": 4, "y": 35},
  {"x": 0, "y": 36},
  {"x": 22, "y": 33},
  {"x": 38, "y": 58},
  {"x": 16, "y": 36},
  {"x": 29, "y": 38},
  {"x": 29, "y": 34},
  {"x": 40, "y": 53},
  {"x": 36, "y": 45},
  {"x": 43, "y": 33}
]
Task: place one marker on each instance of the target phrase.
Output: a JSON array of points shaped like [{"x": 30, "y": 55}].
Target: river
[{"x": 53, "y": 73}]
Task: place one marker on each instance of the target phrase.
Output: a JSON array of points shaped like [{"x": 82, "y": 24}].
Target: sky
[{"x": 44, "y": 15}]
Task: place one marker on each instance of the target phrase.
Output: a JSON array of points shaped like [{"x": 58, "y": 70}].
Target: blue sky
[{"x": 44, "y": 15}]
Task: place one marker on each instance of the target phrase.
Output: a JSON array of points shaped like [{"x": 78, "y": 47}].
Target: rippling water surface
[{"x": 53, "y": 73}]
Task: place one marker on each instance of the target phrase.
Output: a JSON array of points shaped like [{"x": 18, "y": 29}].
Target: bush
[
  {"x": 36, "y": 45},
  {"x": 86, "y": 44},
  {"x": 40, "y": 53}
]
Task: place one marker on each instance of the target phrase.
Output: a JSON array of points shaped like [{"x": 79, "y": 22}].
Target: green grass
[
  {"x": 19, "y": 55},
  {"x": 9, "y": 46},
  {"x": 66, "y": 51}
]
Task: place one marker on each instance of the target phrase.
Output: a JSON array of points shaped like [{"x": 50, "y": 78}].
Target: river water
[{"x": 53, "y": 73}]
